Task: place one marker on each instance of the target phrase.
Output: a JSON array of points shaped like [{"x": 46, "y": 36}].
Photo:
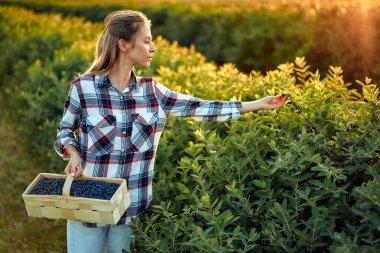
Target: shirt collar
[{"x": 136, "y": 81}]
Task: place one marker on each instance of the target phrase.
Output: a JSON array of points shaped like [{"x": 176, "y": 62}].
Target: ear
[{"x": 123, "y": 45}]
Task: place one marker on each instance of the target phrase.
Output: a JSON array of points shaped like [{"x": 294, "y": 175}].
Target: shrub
[
  {"x": 257, "y": 35},
  {"x": 303, "y": 178}
]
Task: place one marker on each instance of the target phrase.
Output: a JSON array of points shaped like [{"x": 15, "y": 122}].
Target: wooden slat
[
  {"x": 34, "y": 211},
  {"x": 68, "y": 214},
  {"x": 66, "y": 187}
]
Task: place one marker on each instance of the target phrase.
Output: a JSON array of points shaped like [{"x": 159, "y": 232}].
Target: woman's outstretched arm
[
  {"x": 266, "y": 103},
  {"x": 182, "y": 105}
]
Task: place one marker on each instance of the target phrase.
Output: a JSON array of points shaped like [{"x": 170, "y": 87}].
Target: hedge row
[
  {"x": 343, "y": 33},
  {"x": 303, "y": 178}
]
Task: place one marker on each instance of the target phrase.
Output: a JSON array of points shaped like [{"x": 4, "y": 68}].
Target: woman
[{"x": 120, "y": 118}]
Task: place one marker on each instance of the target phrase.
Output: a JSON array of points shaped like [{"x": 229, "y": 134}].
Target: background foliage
[
  {"x": 255, "y": 35},
  {"x": 303, "y": 178}
]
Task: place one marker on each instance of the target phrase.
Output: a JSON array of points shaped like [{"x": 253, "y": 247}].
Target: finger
[
  {"x": 76, "y": 171},
  {"x": 79, "y": 170},
  {"x": 67, "y": 169},
  {"x": 278, "y": 100},
  {"x": 73, "y": 169}
]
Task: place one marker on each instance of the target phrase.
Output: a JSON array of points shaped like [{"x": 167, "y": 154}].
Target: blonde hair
[{"x": 117, "y": 25}]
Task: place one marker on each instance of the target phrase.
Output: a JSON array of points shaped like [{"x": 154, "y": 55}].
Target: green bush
[
  {"x": 259, "y": 35},
  {"x": 302, "y": 178}
]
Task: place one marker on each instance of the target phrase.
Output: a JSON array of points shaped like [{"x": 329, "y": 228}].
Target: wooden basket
[{"x": 77, "y": 208}]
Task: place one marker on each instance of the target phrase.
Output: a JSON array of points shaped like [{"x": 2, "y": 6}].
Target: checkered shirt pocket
[
  {"x": 143, "y": 129},
  {"x": 101, "y": 131}
]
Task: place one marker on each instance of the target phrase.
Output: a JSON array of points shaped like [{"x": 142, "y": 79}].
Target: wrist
[{"x": 70, "y": 151}]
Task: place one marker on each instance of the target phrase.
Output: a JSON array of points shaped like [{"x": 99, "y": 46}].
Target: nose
[{"x": 152, "y": 48}]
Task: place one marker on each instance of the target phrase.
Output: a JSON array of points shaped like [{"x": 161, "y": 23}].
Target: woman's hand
[
  {"x": 271, "y": 102},
  {"x": 75, "y": 163},
  {"x": 267, "y": 103}
]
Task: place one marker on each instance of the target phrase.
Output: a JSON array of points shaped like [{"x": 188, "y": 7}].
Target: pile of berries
[{"x": 79, "y": 188}]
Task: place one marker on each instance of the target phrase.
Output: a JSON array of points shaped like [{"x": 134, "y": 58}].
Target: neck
[{"x": 120, "y": 75}]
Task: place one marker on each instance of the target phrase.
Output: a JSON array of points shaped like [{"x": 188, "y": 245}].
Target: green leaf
[
  {"x": 320, "y": 167},
  {"x": 158, "y": 207},
  {"x": 304, "y": 194},
  {"x": 236, "y": 230},
  {"x": 156, "y": 243},
  {"x": 253, "y": 235},
  {"x": 315, "y": 213},
  {"x": 206, "y": 215},
  {"x": 260, "y": 183},
  {"x": 183, "y": 188},
  {"x": 166, "y": 214}
]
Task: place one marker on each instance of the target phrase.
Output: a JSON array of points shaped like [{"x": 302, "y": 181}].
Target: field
[
  {"x": 256, "y": 35},
  {"x": 304, "y": 178}
]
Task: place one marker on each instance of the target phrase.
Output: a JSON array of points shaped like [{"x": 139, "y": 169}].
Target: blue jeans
[{"x": 107, "y": 239}]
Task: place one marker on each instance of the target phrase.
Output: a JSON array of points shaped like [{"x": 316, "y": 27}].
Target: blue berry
[{"x": 79, "y": 188}]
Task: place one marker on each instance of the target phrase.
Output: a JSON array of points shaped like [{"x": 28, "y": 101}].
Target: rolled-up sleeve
[
  {"x": 69, "y": 122},
  {"x": 181, "y": 105}
]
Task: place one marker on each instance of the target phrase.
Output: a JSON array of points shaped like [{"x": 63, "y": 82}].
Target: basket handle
[{"x": 67, "y": 185}]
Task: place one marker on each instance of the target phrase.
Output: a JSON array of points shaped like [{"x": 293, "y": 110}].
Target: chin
[{"x": 146, "y": 65}]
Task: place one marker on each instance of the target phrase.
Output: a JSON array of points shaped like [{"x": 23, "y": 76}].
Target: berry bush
[{"x": 304, "y": 178}]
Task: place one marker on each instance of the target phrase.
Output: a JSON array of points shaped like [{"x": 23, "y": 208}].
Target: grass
[{"x": 20, "y": 233}]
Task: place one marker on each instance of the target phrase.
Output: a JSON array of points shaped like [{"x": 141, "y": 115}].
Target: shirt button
[
  {"x": 121, "y": 97},
  {"x": 124, "y": 132},
  {"x": 123, "y": 113}
]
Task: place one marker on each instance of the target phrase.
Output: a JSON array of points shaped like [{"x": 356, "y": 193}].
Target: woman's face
[{"x": 141, "y": 52}]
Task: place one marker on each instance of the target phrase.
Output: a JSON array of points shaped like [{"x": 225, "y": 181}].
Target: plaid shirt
[{"x": 118, "y": 132}]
